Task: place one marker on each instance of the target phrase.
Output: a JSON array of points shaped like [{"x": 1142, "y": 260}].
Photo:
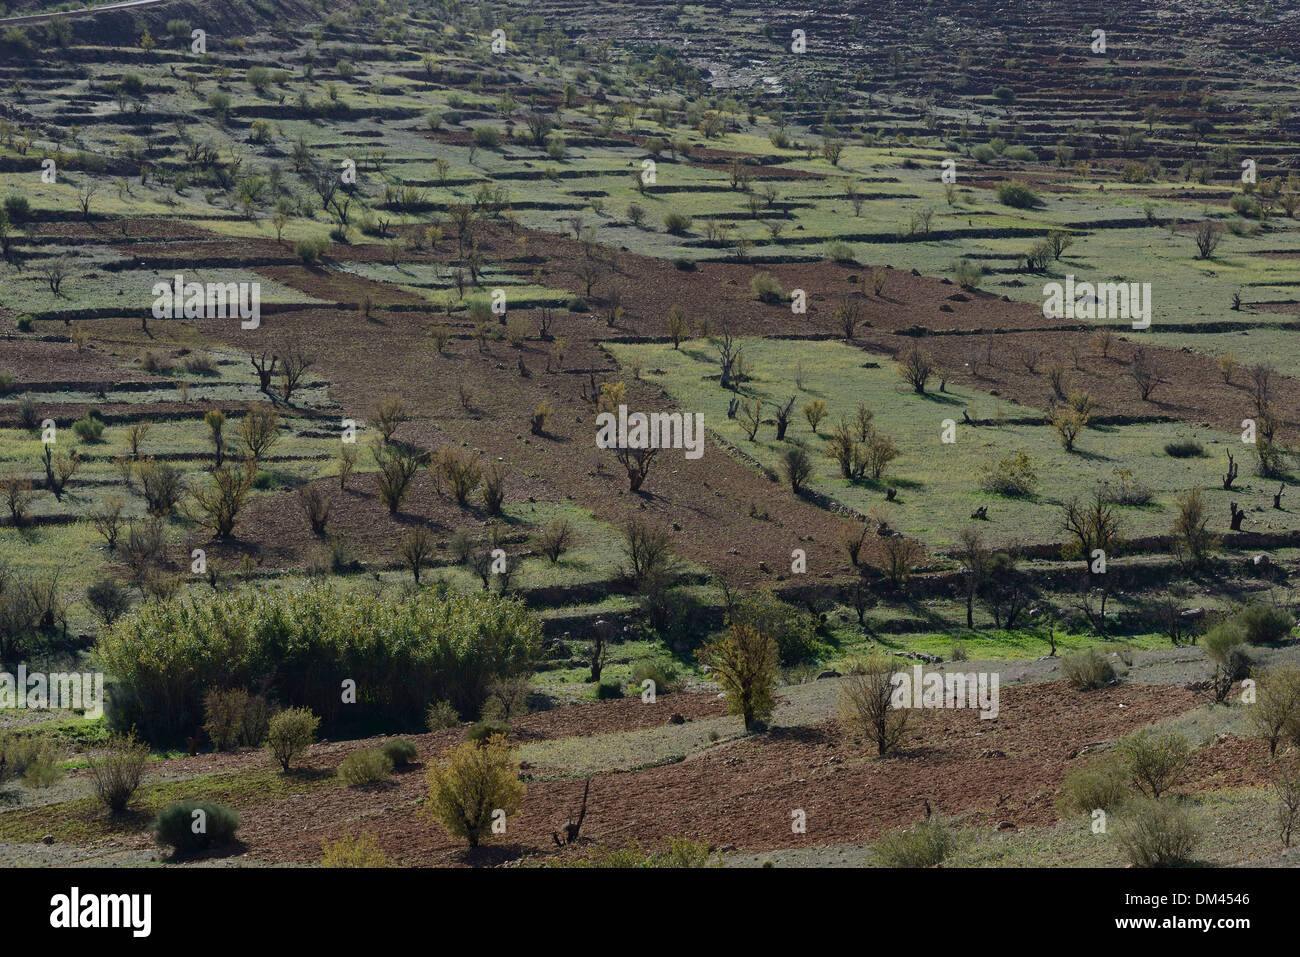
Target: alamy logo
[
  {"x": 59, "y": 691},
  {"x": 75, "y": 910},
  {"x": 1104, "y": 300},
  {"x": 953, "y": 689},
  {"x": 213, "y": 300},
  {"x": 656, "y": 430}
]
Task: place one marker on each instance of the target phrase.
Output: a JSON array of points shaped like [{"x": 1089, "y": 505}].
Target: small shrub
[
  {"x": 507, "y": 698},
  {"x": 400, "y": 752},
  {"x": 1185, "y": 449},
  {"x": 191, "y": 826},
  {"x": 470, "y": 785},
  {"x": 483, "y": 730},
  {"x": 1156, "y": 761},
  {"x": 441, "y": 716},
  {"x": 367, "y": 766},
  {"x": 922, "y": 845},
  {"x": 838, "y": 251},
  {"x": 677, "y": 223},
  {"x": 235, "y": 718},
  {"x": 609, "y": 691},
  {"x": 1224, "y": 646},
  {"x": 792, "y": 628},
  {"x": 663, "y": 675},
  {"x": 109, "y": 599},
  {"x": 1017, "y": 195},
  {"x": 680, "y": 852},
  {"x": 360, "y": 851},
  {"x": 89, "y": 429},
  {"x": 1102, "y": 784},
  {"x": 289, "y": 735},
  {"x": 1157, "y": 834},
  {"x": 116, "y": 772},
  {"x": 488, "y": 137},
  {"x": 1088, "y": 670},
  {"x": 310, "y": 251},
  {"x": 34, "y": 760},
  {"x": 1265, "y": 624},
  {"x": 765, "y": 288},
  {"x": 1013, "y": 477}
]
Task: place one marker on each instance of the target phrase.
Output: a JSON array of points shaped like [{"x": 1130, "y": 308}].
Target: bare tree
[
  {"x": 1208, "y": 237},
  {"x": 637, "y": 463},
  {"x": 728, "y": 354},
  {"x": 295, "y": 360},
  {"x": 1144, "y": 373},
  {"x": 867, "y": 704}
]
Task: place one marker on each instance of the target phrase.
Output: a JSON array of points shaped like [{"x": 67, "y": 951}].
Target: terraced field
[{"x": 471, "y": 231}]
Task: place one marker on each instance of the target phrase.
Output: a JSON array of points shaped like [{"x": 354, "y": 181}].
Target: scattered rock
[{"x": 920, "y": 656}]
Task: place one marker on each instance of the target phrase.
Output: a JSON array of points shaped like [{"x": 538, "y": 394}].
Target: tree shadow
[{"x": 491, "y": 855}]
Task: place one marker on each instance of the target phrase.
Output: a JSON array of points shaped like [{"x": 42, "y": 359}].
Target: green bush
[
  {"x": 1244, "y": 205},
  {"x": 368, "y": 766},
  {"x": 34, "y": 760},
  {"x": 234, "y": 718},
  {"x": 967, "y": 274},
  {"x": 1156, "y": 761},
  {"x": 1224, "y": 645},
  {"x": 431, "y": 644},
  {"x": 89, "y": 429},
  {"x": 1101, "y": 784},
  {"x": 838, "y": 251},
  {"x": 363, "y": 850},
  {"x": 679, "y": 852},
  {"x": 310, "y": 251},
  {"x": 1265, "y": 624},
  {"x": 190, "y": 826},
  {"x": 1184, "y": 449},
  {"x": 1156, "y": 834},
  {"x": 400, "y": 752},
  {"x": 483, "y": 730},
  {"x": 440, "y": 716},
  {"x": 1088, "y": 670},
  {"x": 290, "y": 735},
  {"x": 116, "y": 772},
  {"x": 793, "y": 629},
  {"x": 1013, "y": 477},
  {"x": 765, "y": 288},
  {"x": 109, "y": 599},
  {"x": 609, "y": 691},
  {"x": 923, "y": 845},
  {"x": 19, "y": 208},
  {"x": 677, "y": 223},
  {"x": 488, "y": 137},
  {"x": 663, "y": 675},
  {"x": 1017, "y": 195}
]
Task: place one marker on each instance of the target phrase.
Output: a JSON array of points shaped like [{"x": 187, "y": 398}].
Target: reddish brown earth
[
  {"x": 740, "y": 794},
  {"x": 705, "y": 502}
]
